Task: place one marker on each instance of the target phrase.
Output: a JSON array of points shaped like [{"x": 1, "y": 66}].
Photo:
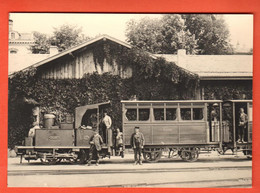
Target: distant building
[
  {"x": 19, "y": 54},
  {"x": 242, "y": 49},
  {"x": 19, "y": 43}
]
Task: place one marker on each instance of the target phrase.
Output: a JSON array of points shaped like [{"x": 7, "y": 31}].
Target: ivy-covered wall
[
  {"x": 227, "y": 89},
  {"x": 152, "y": 79}
]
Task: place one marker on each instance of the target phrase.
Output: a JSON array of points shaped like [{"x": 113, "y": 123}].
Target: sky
[{"x": 240, "y": 25}]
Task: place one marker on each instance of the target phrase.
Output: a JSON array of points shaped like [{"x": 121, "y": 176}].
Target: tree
[
  {"x": 175, "y": 36},
  {"x": 211, "y": 32},
  {"x": 41, "y": 44},
  {"x": 145, "y": 34},
  {"x": 63, "y": 37},
  {"x": 165, "y": 35},
  {"x": 197, "y": 33},
  {"x": 67, "y": 36}
]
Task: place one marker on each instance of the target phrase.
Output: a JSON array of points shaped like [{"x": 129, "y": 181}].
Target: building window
[
  {"x": 12, "y": 36},
  {"x": 13, "y": 51}
]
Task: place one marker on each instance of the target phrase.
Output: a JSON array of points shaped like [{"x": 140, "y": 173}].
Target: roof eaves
[
  {"x": 76, "y": 48},
  {"x": 225, "y": 78}
]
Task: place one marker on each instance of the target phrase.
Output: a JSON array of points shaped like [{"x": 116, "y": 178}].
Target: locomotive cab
[{"x": 54, "y": 143}]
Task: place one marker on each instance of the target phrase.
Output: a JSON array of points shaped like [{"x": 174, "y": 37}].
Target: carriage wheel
[
  {"x": 248, "y": 154},
  {"x": 173, "y": 153},
  {"x": 49, "y": 161},
  {"x": 152, "y": 157},
  {"x": 59, "y": 160},
  {"x": 189, "y": 156}
]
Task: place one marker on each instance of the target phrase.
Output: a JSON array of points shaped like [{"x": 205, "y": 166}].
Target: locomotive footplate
[{"x": 51, "y": 154}]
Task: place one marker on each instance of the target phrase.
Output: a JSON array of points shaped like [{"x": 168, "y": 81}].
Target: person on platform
[
  {"x": 31, "y": 132},
  {"x": 95, "y": 147},
  {"x": 137, "y": 143},
  {"x": 119, "y": 142},
  {"x": 242, "y": 123},
  {"x": 107, "y": 133}
]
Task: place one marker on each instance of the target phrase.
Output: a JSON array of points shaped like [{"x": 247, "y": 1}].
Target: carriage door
[
  {"x": 214, "y": 122},
  {"x": 239, "y": 105},
  {"x": 250, "y": 121},
  {"x": 227, "y": 123}
]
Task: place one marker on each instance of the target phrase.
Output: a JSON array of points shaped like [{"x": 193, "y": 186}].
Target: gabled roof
[
  {"x": 35, "y": 60},
  {"x": 210, "y": 67},
  {"x": 70, "y": 50}
]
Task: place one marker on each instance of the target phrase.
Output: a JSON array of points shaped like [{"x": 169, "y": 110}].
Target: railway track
[
  {"x": 86, "y": 170},
  {"x": 219, "y": 183}
]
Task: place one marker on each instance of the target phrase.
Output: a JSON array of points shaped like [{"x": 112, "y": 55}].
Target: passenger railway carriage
[{"x": 186, "y": 128}]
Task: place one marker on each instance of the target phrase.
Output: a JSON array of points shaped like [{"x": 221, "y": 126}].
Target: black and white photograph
[{"x": 130, "y": 100}]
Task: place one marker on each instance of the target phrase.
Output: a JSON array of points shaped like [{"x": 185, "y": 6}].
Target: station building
[{"x": 216, "y": 72}]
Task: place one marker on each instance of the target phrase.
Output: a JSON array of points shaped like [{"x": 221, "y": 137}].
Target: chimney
[
  {"x": 181, "y": 58},
  {"x": 53, "y": 50},
  {"x": 10, "y": 25}
]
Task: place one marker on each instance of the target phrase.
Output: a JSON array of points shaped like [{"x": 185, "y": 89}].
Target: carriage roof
[
  {"x": 171, "y": 101},
  {"x": 239, "y": 101}
]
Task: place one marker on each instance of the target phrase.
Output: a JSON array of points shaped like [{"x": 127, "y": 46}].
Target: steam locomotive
[{"x": 185, "y": 127}]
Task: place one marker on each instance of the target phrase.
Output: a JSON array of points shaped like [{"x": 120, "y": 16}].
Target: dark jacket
[
  {"x": 137, "y": 140},
  {"x": 97, "y": 141}
]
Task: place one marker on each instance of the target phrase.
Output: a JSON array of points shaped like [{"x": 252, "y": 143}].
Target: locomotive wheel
[
  {"x": 49, "y": 161},
  {"x": 152, "y": 157},
  {"x": 189, "y": 156},
  {"x": 82, "y": 157}
]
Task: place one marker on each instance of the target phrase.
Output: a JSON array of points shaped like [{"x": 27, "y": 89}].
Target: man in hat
[
  {"x": 95, "y": 147},
  {"x": 137, "y": 143}
]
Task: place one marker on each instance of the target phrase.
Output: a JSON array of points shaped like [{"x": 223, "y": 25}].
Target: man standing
[
  {"x": 119, "y": 143},
  {"x": 108, "y": 130},
  {"x": 137, "y": 143},
  {"x": 95, "y": 147},
  {"x": 32, "y": 132},
  {"x": 242, "y": 122}
]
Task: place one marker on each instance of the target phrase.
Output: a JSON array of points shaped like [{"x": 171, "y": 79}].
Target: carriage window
[
  {"x": 186, "y": 114},
  {"x": 250, "y": 114},
  {"x": 171, "y": 114},
  {"x": 197, "y": 113},
  {"x": 131, "y": 114},
  {"x": 158, "y": 114},
  {"x": 144, "y": 114}
]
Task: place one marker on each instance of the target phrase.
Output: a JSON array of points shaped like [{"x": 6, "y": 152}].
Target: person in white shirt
[
  {"x": 107, "y": 121},
  {"x": 32, "y": 132}
]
